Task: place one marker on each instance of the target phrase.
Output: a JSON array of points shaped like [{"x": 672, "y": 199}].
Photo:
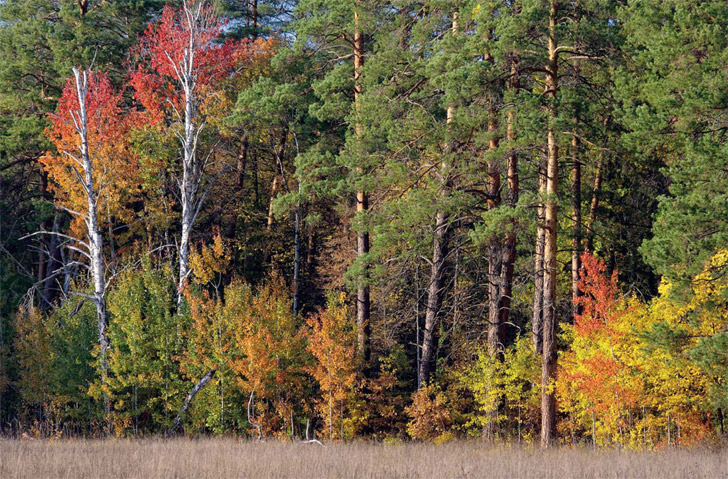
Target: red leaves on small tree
[
  {"x": 171, "y": 42},
  {"x": 598, "y": 304}
]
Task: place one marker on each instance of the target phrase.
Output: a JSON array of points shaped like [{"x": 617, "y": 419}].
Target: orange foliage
[
  {"x": 208, "y": 261},
  {"x": 599, "y": 301},
  {"x": 331, "y": 340},
  {"x": 431, "y": 418},
  {"x": 115, "y": 165},
  {"x": 270, "y": 350}
]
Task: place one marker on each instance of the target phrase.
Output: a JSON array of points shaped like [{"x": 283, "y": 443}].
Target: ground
[{"x": 228, "y": 458}]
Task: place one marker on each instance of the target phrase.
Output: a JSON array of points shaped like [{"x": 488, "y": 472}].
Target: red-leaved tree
[
  {"x": 91, "y": 171},
  {"x": 180, "y": 65}
]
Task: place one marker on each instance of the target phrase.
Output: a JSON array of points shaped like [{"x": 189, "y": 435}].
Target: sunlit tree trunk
[
  {"x": 197, "y": 18},
  {"x": 436, "y": 285},
  {"x": 549, "y": 358}
]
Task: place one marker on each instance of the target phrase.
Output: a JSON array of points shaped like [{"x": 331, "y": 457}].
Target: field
[{"x": 221, "y": 458}]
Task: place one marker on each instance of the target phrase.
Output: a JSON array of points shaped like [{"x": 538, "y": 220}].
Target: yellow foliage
[
  {"x": 637, "y": 384},
  {"x": 208, "y": 261}
]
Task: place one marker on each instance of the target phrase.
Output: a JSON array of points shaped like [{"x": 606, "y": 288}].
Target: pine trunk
[
  {"x": 576, "y": 223},
  {"x": 495, "y": 257},
  {"x": 363, "y": 301},
  {"x": 549, "y": 359},
  {"x": 538, "y": 265},
  {"x": 594, "y": 204},
  {"x": 269, "y": 222},
  {"x": 434, "y": 297},
  {"x": 436, "y": 285},
  {"x": 509, "y": 250}
]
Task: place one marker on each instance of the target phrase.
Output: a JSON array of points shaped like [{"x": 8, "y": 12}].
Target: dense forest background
[{"x": 361, "y": 218}]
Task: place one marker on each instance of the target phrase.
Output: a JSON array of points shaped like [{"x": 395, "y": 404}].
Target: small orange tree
[
  {"x": 599, "y": 382},
  {"x": 331, "y": 340},
  {"x": 430, "y": 416},
  {"x": 271, "y": 354}
]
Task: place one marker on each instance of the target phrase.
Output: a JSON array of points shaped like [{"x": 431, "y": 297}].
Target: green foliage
[
  {"x": 145, "y": 382},
  {"x": 57, "y": 371},
  {"x": 672, "y": 94}
]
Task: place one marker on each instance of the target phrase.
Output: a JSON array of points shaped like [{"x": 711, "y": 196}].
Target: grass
[{"x": 224, "y": 458}]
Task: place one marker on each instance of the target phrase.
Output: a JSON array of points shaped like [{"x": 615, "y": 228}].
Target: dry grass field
[{"x": 220, "y": 458}]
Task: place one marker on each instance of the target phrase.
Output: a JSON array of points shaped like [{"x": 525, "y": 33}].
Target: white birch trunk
[
  {"x": 95, "y": 242},
  {"x": 186, "y": 70}
]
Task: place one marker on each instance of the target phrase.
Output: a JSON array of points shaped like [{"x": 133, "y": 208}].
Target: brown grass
[{"x": 223, "y": 458}]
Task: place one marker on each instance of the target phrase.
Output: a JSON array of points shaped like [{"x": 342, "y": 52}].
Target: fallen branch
[
  {"x": 313, "y": 441},
  {"x": 198, "y": 387},
  {"x": 251, "y": 419}
]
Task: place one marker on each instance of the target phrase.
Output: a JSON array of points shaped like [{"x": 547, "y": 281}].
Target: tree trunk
[
  {"x": 296, "y": 257},
  {"x": 495, "y": 257},
  {"x": 42, "y": 261},
  {"x": 363, "y": 301},
  {"x": 191, "y": 166},
  {"x": 576, "y": 223},
  {"x": 594, "y": 204},
  {"x": 188, "y": 399},
  {"x": 241, "y": 167},
  {"x": 50, "y": 289},
  {"x": 269, "y": 223},
  {"x": 310, "y": 250},
  {"x": 435, "y": 288},
  {"x": 242, "y": 162},
  {"x": 548, "y": 364},
  {"x": 184, "y": 243},
  {"x": 434, "y": 297},
  {"x": 95, "y": 243},
  {"x": 279, "y": 152},
  {"x": 509, "y": 255},
  {"x": 538, "y": 265}
]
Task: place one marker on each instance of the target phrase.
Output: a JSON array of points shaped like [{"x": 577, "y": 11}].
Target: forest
[{"x": 385, "y": 220}]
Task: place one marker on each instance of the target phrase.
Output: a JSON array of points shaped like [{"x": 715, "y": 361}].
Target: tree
[
  {"x": 272, "y": 355},
  {"x": 340, "y": 91},
  {"x": 86, "y": 132},
  {"x": 597, "y": 366},
  {"x": 185, "y": 61},
  {"x": 145, "y": 380},
  {"x": 671, "y": 97},
  {"x": 331, "y": 342}
]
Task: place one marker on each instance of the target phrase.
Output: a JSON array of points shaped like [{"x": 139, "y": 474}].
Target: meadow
[{"x": 227, "y": 458}]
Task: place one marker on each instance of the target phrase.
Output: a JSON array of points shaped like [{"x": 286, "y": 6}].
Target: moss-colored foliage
[
  {"x": 57, "y": 373},
  {"x": 146, "y": 337}
]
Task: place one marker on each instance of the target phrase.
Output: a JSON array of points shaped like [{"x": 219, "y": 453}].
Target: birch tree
[
  {"x": 86, "y": 132},
  {"x": 184, "y": 62}
]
